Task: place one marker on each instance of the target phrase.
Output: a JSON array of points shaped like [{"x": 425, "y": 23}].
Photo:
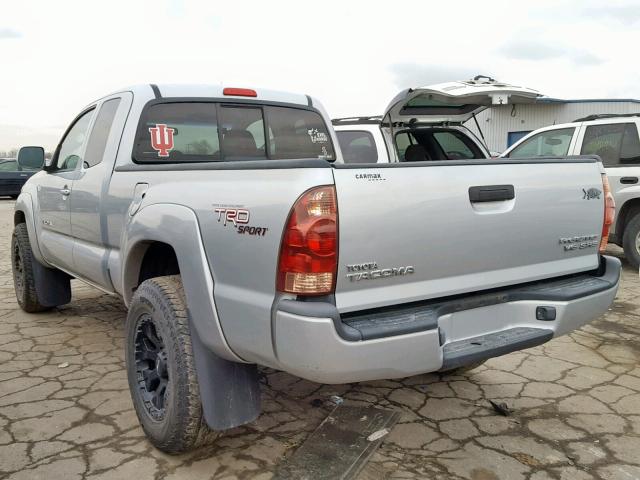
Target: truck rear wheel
[
  {"x": 24, "y": 282},
  {"x": 631, "y": 241},
  {"x": 161, "y": 367}
]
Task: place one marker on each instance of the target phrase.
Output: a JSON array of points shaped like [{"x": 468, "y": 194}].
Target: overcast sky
[{"x": 354, "y": 56}]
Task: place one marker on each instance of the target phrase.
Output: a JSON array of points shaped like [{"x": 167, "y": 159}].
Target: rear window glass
[
  {"x": 178, "y": 132},
  {"x": 357, "y": 146},
  {"x": 199, "y": 131},
  {"x": 295, "y": 133},
  {"x": 427, "y": 100},
  {"x": 242, "y": 133},
  {"x": 615, "y": 143},
  {"x": 453, "y": 146}
]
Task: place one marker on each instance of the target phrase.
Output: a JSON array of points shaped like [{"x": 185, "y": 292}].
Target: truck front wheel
[
  {"x": 631, "y": 241},
  {"x": 161, "y": 367},
  {"x": 24, "y": 282}
]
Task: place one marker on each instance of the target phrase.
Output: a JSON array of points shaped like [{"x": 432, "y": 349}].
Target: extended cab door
[
  {"x": 88, "y": 216},
  {"x": 53, "y": 213}
]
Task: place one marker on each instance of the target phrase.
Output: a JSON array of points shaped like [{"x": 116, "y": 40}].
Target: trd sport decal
[
  {"x": 239, "y": 219},
  {"x": 162, "y": 139}
]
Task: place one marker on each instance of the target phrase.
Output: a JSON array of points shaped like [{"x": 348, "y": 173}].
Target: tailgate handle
[
  {"x": 491, "y": 193},
  {"x": 629, "y": 180}
]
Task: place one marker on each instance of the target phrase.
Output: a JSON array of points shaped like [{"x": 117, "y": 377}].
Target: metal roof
[{"x": 587, "y": 100}]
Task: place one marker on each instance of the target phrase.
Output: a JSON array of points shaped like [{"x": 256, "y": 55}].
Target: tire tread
[
  {"x": 189, "y": 427},
  {"x": 29, "y": 303}
]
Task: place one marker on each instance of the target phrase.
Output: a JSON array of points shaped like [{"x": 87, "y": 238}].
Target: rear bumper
[{"x": 314, "y": 342}]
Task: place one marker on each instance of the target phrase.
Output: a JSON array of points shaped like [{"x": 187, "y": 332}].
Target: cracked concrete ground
[{"x": 65, "y": 410}]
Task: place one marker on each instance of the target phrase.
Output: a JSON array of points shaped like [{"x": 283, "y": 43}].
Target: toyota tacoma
[{"x": 229, "y": 224}]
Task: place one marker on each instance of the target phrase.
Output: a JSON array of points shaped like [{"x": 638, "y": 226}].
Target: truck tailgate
[{"x": 432, "y": 229}]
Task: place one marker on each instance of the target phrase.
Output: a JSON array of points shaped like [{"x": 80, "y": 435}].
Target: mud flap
[
  {"x": 52, "y": 286},
  {"x": 230, "y": 391}
]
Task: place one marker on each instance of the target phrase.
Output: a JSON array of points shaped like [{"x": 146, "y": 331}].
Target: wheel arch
[
  {"x": 629, "y": 209},
  {"x": 23, "y": 213},
  {"x": 172, "y": 229},
  {"x": 229, "y": 386}
]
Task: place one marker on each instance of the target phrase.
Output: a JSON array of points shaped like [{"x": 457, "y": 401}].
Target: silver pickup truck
[{"x": 229, "y": 224}]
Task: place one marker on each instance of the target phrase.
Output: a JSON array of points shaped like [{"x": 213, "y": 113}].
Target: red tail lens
[
  {"x": 309, "y": 249},
  {"x": 609, "y": 213},
  {"x": 240, "y": 92}
]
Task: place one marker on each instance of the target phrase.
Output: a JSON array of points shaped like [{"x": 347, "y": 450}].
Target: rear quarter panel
[{"x": 243, "y": 266}]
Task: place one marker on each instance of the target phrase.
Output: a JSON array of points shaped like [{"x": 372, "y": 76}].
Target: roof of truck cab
[{"x": 215, "y": 91}]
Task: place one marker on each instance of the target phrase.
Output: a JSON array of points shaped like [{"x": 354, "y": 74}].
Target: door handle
[
  {"x": 491, "y": 193},
  {"x": 629, "y": 180},
  {"x": 65, "y": 191}
]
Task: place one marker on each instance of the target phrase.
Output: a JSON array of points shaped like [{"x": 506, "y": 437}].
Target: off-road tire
[
  {"x": 180, "y": 426},
  {"x": 22, "y": 266},
  {"x": 629, "y": 241}
]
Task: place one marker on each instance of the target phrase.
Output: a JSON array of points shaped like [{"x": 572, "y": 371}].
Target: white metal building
[{"x": 503, "y": 125}]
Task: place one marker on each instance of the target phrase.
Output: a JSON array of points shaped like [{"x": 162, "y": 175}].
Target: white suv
[{"x": 615, "y": 139}]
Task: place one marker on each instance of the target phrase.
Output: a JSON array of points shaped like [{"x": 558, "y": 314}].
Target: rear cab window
[
  {"x": 357, "y": 146},
  {"x": 194, "y": 131}
]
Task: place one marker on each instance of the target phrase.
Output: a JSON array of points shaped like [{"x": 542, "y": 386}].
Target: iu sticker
[{"x": 162, "y": 139}]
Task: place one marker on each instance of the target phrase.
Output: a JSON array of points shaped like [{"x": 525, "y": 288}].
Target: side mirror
[
  {"x": 31, "y": 158},
  {"x": 553, "y": 141}
]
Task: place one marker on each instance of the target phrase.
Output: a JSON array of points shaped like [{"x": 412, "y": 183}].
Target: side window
[
  {"x": 453, "y": 146},
  {"x": 357, "y": 146},
  {"x": 630, "y": 151},
  {"x": 242, "y": 131},
  {"x": 69, "y": 154},
  {"x": 553, "y": 143},
  {"x": 100, "y": 133},
  {"x": 7, "y": 165},
  {"x": 605, "y": 141}
]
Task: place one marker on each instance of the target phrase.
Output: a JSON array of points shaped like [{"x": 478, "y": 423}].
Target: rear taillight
[
  {"x": 309, "y": 248},
  {"x": 609, "y": 213}
]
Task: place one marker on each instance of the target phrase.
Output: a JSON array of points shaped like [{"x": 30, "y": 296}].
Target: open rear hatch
[{"x": 454, "y": 102}]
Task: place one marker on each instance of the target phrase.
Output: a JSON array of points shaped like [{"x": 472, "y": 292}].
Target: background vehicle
[
  {"x": 13, "y": 176},
  {"x": 426, "y": 123},
  {"x": 218, "y": 215},
  {"x": 615, "y": 139}
]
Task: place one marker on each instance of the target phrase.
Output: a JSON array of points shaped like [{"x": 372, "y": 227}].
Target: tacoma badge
[{"x": 372, "y": 272}]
